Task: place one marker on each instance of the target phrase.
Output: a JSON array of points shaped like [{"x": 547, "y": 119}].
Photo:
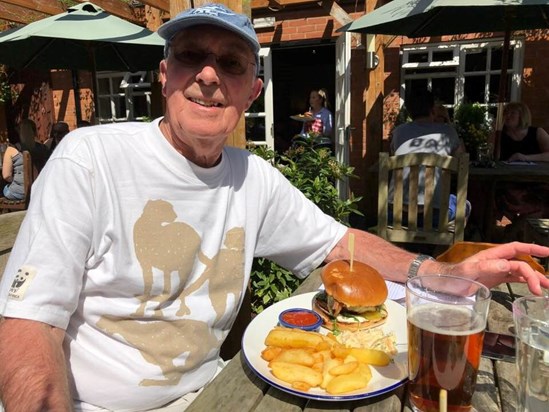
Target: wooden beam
[
  {"x": 116, "y": 7},
  {"x": 163, "y": 5},
  {"x": 16, "y": 14},
  {"x": 260, "y": 4},
  {"x": 52, "y": 7},
  {"x": 44, "y": 6}
]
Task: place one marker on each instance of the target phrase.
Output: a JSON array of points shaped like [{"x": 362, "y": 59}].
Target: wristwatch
[{"x": 416, "y": 263}]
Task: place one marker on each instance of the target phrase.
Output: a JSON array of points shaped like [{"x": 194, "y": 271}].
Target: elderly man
[{"x": 131, "y": 264}]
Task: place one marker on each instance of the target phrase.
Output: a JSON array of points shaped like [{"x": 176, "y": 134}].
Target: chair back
[
  {"x": 7, "y": 205},
  {"x": 404, "y": 226},
  {"x": 9, "y": 227}
]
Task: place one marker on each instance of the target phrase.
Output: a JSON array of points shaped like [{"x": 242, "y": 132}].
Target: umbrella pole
[
  {"x": 76, "y": 91},
  {"x": 502, "y": 92},
  {"x": 94, "y": 83}
]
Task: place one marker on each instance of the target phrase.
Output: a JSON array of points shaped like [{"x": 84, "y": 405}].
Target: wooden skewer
[
  {"x": 351, "y": 249},
  {"x": 443, "y": 400}
]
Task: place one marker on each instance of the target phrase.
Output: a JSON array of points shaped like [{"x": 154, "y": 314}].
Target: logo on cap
[{"x": 212, "y": 10}]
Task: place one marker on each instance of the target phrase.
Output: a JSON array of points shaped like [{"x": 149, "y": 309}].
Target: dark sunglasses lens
[
  {"x": 191, "y": 58},
  {"x": 232, "y": 64}
]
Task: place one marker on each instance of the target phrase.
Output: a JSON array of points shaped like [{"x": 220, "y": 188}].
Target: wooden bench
[{"x": 9, "y": 227}]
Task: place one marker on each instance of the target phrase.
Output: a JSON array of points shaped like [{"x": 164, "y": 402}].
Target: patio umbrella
[
  {"x": 423, "y": 18},
  {"x": 85, "y": 37}
]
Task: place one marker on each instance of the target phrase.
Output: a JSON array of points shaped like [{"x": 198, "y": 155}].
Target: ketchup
[{"x": 299, "y": 318}]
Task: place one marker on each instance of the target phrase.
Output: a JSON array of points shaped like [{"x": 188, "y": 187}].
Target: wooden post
[{"x": 374, "y": 95}]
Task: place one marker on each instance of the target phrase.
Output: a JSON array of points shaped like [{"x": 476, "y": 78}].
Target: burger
[{"x": 352, "y": 299}]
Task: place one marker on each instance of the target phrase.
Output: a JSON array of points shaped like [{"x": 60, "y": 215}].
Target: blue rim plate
[{"x": 384, "y": 379}]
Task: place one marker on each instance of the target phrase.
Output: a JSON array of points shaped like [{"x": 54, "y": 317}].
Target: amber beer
[{"x": 445, "y": 343}]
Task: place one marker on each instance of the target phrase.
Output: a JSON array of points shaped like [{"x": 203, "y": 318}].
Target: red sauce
[{"x": 300, "y": 318}]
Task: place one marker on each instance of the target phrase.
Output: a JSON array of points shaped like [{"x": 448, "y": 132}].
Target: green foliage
[
  {"x": 472, "y": 125},
  {"x": 7, "y": 95},
  {"x": 314, "y": 171}
]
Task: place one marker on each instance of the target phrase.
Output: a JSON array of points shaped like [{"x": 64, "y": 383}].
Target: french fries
[{"x": 307, "y": 360}]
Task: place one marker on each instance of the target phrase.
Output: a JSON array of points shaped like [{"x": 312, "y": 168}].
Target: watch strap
[{"x": 416, "y": 263}]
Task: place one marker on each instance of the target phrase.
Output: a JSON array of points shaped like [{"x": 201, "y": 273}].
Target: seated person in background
[
  {"x": 28, "y": 141},
  {"x": 425, "y": 135},
  {"x": 520, "y": 141},
  {"x": 440, "y": 114},
  {"x": 58, "y": 131},
  {"x": 12, "y": 173},
  {"x": 323, "y": 122}
]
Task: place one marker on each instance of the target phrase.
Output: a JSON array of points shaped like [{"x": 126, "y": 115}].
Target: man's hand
[
  {"x": 494, "y": 266},
  {"x": 33, "y": 376}
]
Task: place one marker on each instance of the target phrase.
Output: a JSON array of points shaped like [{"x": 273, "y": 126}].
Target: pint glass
[
  {"x": 531, "y": 316},
  {"x": 446, "y": 318}
]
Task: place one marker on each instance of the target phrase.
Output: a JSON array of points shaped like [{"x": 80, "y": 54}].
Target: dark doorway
[{"x": 296, "y": 71}]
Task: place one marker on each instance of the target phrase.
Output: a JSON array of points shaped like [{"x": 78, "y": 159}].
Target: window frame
[{"x": 459, "y": 49}]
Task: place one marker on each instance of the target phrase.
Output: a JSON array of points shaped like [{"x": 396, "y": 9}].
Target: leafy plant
[
  {"x": 472, "y": 125},
  {"x": 314, "y": 171},
  {"x": 7, "y": 94}
]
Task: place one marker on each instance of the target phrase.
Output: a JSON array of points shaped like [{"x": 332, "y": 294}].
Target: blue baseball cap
[{"x": 217, "y": 15}]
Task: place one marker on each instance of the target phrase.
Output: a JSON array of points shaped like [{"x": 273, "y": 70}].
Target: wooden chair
[
  {"x": 7, "y": 205},
  {"x": 9, "y": 227},
  {"x": 404, "y": 227}
]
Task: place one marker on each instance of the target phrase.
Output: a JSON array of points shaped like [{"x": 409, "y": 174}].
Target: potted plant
[
  {"x": 474, "y": 127},
  {"x": 313, "y": 169}
]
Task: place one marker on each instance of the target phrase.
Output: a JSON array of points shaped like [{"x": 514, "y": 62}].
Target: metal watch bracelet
[{"x": 416, "y": 263}]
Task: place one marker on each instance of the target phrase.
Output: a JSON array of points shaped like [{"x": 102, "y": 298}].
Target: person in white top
[{"x": 132, "y": 261}]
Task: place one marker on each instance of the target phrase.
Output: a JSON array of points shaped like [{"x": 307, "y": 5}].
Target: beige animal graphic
[
  {"x": 162, "y": 243},
  {"x": 173, "y": 248},
  {"x": 224, "y": 274},
  {"x": 161, "y": 342}
]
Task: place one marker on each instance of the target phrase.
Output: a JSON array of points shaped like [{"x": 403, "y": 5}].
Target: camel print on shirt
[{"x": 168, "y": 249}]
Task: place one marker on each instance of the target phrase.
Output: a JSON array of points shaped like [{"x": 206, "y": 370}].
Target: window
[
  {"x": 124, "y": 96},
  {"x": 462, "y": 72}
]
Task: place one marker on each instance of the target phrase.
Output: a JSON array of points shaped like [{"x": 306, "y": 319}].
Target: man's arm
[
  {"x": 491, "y": 266},
  {"x": 33, "y": 376}
]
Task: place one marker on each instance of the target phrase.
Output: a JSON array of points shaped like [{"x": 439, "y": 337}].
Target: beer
[{"x": 444, "y": 347}]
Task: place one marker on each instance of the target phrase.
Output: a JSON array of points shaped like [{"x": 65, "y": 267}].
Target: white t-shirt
[
  {"x": 423, "y": 137},
  {"x": 142, "y": 257}
]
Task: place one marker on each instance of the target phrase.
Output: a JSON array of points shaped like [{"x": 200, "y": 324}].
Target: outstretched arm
[
  {"x": 33, "y": 376},
  {"x": 491, "y": 266}
]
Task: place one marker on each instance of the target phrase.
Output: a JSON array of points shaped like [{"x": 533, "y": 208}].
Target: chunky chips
[{"x": 309, "y": 359}]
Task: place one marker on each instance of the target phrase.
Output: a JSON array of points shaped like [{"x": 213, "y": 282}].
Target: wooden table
[
  {"x": 484, "y": 180},
  {"x": 237, "y": 388}
]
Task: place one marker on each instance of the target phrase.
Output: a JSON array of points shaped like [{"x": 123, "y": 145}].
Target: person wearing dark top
[
  {"x": 28, "y": 141},
  {"x": 520, "y": 141}
]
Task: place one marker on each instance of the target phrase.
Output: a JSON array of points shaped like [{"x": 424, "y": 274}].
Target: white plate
[
  {"x": 384, "y": 379},
  {"x": 302, "y": 118}
]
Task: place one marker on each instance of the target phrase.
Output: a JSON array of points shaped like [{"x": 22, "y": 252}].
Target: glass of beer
[{"x": 446, "y": 318}]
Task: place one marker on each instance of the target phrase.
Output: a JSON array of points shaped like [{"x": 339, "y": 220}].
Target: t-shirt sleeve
[{"x": 44, "y": 275}]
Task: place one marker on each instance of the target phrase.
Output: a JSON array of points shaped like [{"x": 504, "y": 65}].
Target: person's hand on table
[
  {"x": 493, "y": 266},
  {"x": 518, "y": 157}
]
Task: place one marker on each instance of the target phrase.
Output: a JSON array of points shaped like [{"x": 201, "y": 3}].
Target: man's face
[{"x": 208, "y": 80}]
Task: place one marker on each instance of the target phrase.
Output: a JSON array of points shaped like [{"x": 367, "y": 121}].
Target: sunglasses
[{"x": 232, "y": 64}]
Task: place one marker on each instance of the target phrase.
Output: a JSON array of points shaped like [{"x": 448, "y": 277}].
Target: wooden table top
[
  {"x": 517, "y": 171},
  {"x": 238, "y": 388}
]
